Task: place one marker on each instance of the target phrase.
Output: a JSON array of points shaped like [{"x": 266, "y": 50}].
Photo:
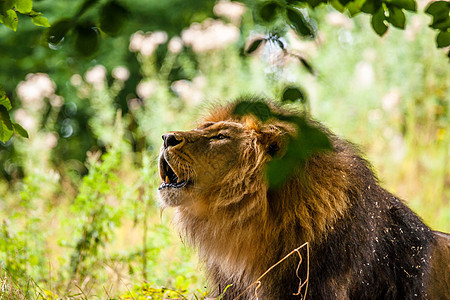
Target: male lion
[{"x": 364, "y": 242}]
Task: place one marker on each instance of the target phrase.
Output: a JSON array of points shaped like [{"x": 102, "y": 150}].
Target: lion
[{"x": 364, "y": 242}]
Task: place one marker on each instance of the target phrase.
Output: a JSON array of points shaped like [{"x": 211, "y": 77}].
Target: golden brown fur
[{"x": 241, "y": 227}]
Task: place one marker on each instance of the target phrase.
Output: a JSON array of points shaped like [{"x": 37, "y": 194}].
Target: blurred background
[{"x": 78, "y": 209}]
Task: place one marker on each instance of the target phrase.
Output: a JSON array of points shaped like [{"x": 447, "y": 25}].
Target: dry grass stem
[{"x": 301, "y": 285}]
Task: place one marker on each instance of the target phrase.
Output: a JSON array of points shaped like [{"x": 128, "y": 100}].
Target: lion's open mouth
[{"x": 168, "y": 176}]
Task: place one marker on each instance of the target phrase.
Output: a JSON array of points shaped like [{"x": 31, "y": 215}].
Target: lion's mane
[{"x": 364, "y": 242}]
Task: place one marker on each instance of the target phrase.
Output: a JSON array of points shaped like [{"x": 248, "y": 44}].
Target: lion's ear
[{"x": 273, "y": 139}]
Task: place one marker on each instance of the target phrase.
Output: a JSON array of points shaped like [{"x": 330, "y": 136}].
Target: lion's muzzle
[{"x": 169, "y": 177}]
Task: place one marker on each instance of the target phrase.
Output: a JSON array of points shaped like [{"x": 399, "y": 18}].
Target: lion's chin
[{"x": 171, "y": 196}]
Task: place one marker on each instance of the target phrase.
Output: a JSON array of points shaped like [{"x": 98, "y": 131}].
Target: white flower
[
  {"x": 231, "y": 10},
  {"x": 159, "y": 37},
  {"x": 76, "y": 80},
  {"x": 34, "y": 89},
  {"x": 190, "y": 92},
  {"x": 339, "y": 20},
  {"x": 365, "y": 75},
  {"x": 27, "y": 121},
  {"x": 148, "y": 47},
  {"x": 147, "y": 43},
  {"x": 51, "y": 139},
  {"x": 210, "y": 35},
  {"x": 175, "y": 45},
  {"x": 413, "y": 28},
  {"x": 56, "y": 101},
  {"x": 145, "y": 89},
  {"x": 391, "y": 100},
  {"x": 136, "y": 41},
  {"x": 121, "y": 73},
  {"x": 96, "y": 75},
  {"x": 134, "y": 104}
]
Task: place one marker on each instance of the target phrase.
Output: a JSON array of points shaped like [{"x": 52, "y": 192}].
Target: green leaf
[
  {"x": 439, "y": 10},
  {"x": 278, "y": 172},
  {"x": 9, "y": 18},
  {"x": 20, "y": 130},
  {"x": 442, "y": 25},
  {"x": 113, "y": 17},
  {"x": 396, "y": 17},
  {"x": 254, "y": 46},
  {"x": 85, "y": 6},
  {"x": 309, "y": 141},
  {"x": 6, "y": 5},
  {"x": 378, "y": 22},
  {"x": 87, "y": 39},
  {"x": 268, "y": 10},
  {"x": 293, "y": 94},
  {"x": 337, "y": 5},
  {"x": 57, "y": 32},
  {"x": 371, "y": 6},
  {"x": 307, "y": 65},
  {"x": 40, "y": 20},
  {"x": 354, "y": 7},
  {"x": 24, "y": 6},
  {"x": 410, "y": 5},
  {"x": 4, "y": 100},
  {"x": 344, "y": 2},
  {"x": 299, "y": 23},
  {"x": 443, "y": 39},
  {"x": 315, "y": 3},
  {"x": 257, "y": 108},
  {"x": 6, "y": 127}
]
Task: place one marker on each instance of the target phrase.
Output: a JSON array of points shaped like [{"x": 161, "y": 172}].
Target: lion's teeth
[{"x": 167, "y": 179}]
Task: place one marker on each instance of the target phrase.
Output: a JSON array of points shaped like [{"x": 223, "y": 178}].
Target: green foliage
[
  {"x": 396, "y": 17},
  {"x": 293, "y": 94},
  {"x": 381, "y": 11},
  {"x": 147, "y": 291},
  {"x": 268, "y": 11},
  {"x": 440, "y": 11},
  {"x": 7, "y": 127},
  {"x": 87, "y": 39},
  {"x": 378, "y": 22},
  {"x": 299, "y": 23},
  {"x": 10, "y": 8},
  {"x": 57, "y": 32},
  {"x": 113, "y": 16},
  {"x": 254, "y": 46},
  {"x": 91, "y": 205},
  {"x": 9, "y": 19}
]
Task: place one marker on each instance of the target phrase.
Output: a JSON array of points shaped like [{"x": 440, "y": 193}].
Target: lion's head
[
  {"x": 218, "y": 170},
  {"x": 219, "y": 162}
]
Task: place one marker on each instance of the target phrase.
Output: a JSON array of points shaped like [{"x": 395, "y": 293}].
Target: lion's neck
[
  {"x": 232, "y": 236},
  {"x": 236, "y": 238}
]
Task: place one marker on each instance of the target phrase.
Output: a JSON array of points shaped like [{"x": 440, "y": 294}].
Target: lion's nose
[{"x": 170, "y": 140}]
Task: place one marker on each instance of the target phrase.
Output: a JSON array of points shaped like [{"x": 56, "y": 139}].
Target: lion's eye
[{"x": 219, "y": 137}]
